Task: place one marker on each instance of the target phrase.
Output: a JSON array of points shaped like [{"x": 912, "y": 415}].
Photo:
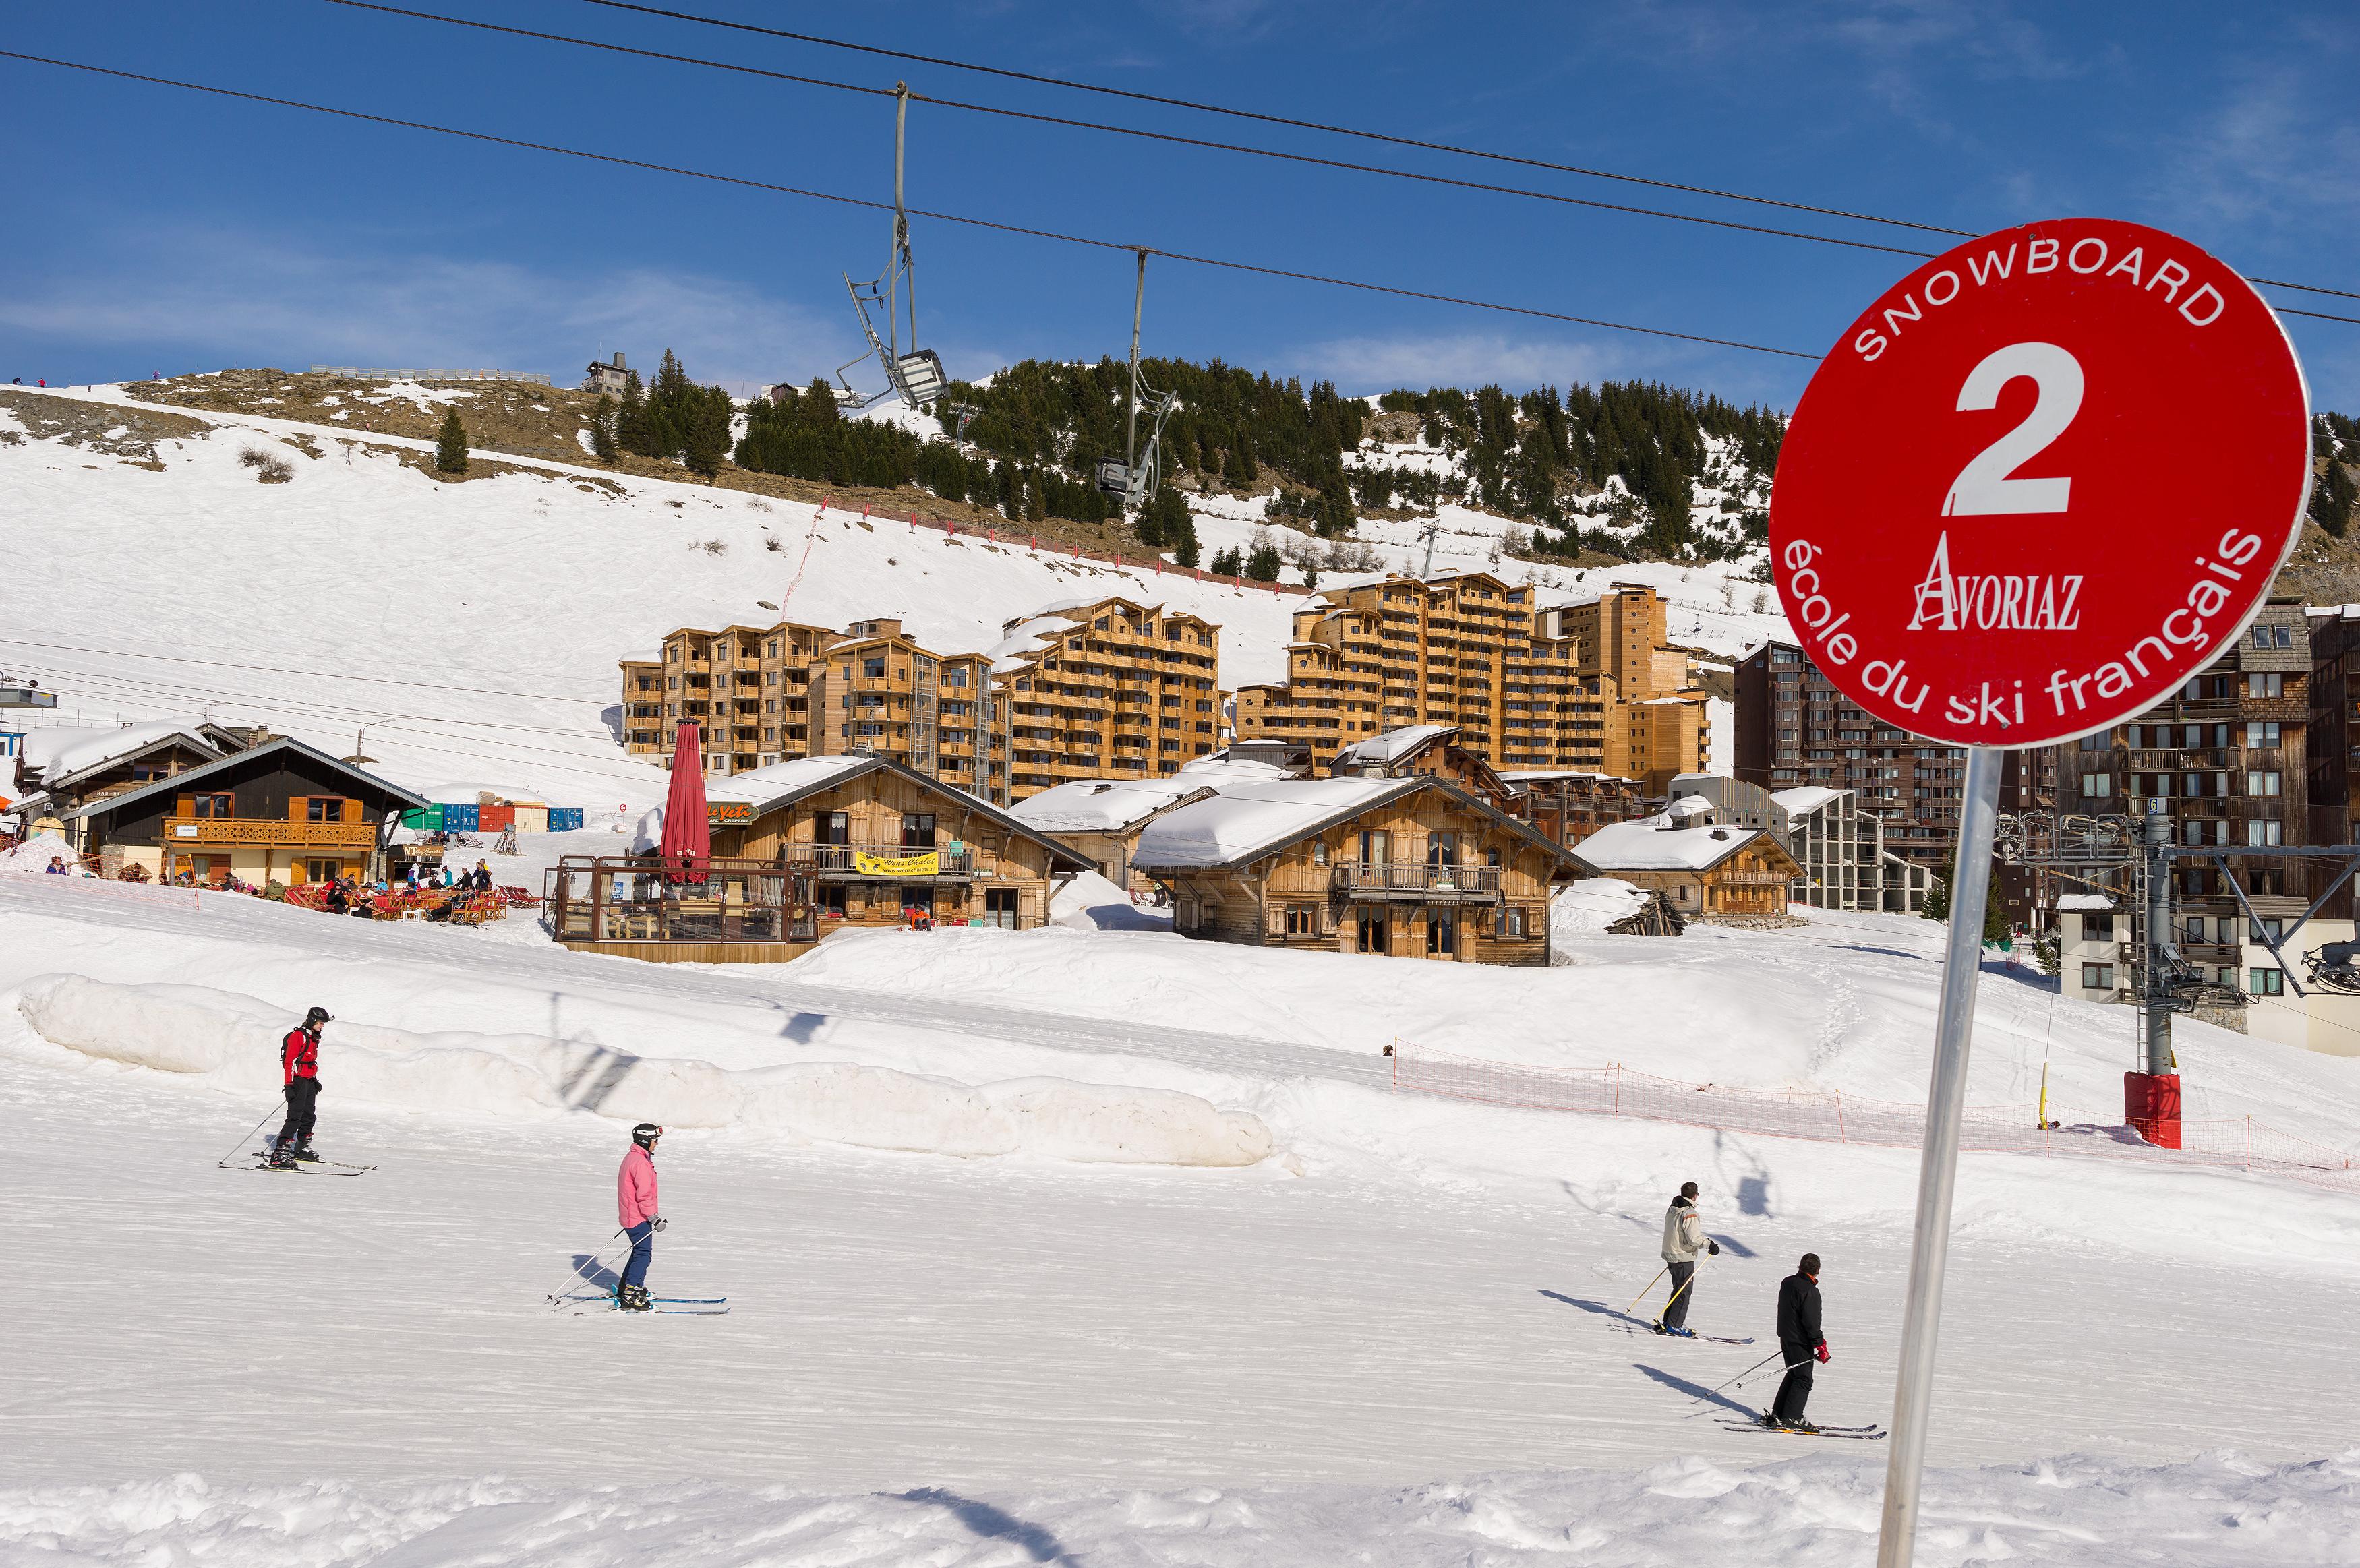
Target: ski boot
[
  {"x": 1657, "y": 1327},
  {"x": 1683, "y": 1332},
  {"x": 1802, "y": 1426},
  {"x": 634, "y": 1299},
  {"x": 282, "y": 1157},
  {"x": 303, "y": 1152}
]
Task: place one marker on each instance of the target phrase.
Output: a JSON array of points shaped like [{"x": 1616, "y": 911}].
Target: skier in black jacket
[{"x": 1800, "y": 1342}]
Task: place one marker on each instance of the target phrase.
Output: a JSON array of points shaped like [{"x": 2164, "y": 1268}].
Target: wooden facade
[
  {"x": 886, "y": 845},
  {"x": 280, "y": 812},
  {"x": 1569, "y": 806},
  {"x": 1527, "y": 687},
  {"x": 876, "y": 690},
  {"x": 1727, "y": 875},
  {"x": 1420, "y": 870},
  {"x": 1108, "y": 689}
]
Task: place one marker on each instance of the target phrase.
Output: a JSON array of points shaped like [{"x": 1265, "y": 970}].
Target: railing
[
  {"x": 179, "y": 831},
  {"x": 1412, "y": 877},
  {"x": 842, "y": 858}
]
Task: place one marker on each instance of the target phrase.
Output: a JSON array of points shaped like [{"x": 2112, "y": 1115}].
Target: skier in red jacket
[{"x": 299, "y": 1054}]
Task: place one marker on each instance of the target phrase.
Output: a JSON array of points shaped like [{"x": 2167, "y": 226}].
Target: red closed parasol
[{"x": 687, "y": 841}]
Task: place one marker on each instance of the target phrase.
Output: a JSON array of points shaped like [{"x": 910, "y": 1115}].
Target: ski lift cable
[
  {"x": 1359, "y": 132},
  {"x": 1224, "y": 263},
  {"x": 1136, "y": 132}
]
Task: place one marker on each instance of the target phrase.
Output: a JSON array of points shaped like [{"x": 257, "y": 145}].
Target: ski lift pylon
[
  {"x": 1131, "y": 481},
  {"x": 913, "y": 373}
]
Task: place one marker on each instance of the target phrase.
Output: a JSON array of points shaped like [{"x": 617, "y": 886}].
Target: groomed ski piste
[
  {"x": 1094, "y": 1245},
  {"x": 1084, "y": 1244}
]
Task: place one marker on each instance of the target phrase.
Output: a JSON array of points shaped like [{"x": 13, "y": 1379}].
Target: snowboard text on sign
[{"x": 2041, "y": 483}]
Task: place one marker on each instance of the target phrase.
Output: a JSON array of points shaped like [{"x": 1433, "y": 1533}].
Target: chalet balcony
[
  {"x": 1415, "y": 883},
  {"x": 218, "y": 832},
  {"x": 840, "y": 862}
]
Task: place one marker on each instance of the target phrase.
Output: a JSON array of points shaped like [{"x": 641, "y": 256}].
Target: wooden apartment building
[
  {"x": 1526, "y": 688},
  {"x": 1092, "y": 689},
  {"x": 771, "y": 694},
  {"x": 1105, "y": 689}
]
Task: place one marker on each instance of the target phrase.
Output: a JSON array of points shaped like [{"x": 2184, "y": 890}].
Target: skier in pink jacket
[{"x": 635, "y": 1205}]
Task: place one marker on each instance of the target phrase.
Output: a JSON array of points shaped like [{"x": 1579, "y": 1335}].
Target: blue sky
[{"x": 151, "y": 229}]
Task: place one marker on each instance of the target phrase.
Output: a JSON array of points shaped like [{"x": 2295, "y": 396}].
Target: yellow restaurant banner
[{"x": 927, "y": 864}]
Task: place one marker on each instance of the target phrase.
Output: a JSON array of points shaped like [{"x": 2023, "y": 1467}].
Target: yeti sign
[{"x": 2040, "y": 483}]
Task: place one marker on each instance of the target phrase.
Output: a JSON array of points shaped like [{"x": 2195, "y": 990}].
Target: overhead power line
[
  {"x": 1275, "y": 153},
  {"x": 1359, "y": 132},
  {"x": 1224, "y": 263},
  {"x": 294, "y": 669}
]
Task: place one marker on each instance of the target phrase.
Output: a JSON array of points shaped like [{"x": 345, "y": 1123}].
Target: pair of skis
[
  {"x": 314, "y": 1167},
  {"x": 1854, "y": 1433},
  {"x": 683, "y": 1306}
]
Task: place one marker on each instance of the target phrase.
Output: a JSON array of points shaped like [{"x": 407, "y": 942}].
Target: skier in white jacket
[{"x": 1684, "y": 1237}]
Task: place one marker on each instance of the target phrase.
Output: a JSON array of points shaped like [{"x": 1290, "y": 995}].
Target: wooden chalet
[
  {"x": 803, "y": 848},
  {"x": 1426, "y": 748},
  {"x": 1413, "y": 868},
  {"x": 1723, "y": 875},
  {"x": 1104, "y": 817},
  {"x": 280, "y": 812},
  {"x": 1569, "y": 805}
]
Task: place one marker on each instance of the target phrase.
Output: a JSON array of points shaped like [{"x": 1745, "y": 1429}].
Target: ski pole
[
  {"x": 265, "y": 1122},
  {"x": 1747, "y": 1373},
  {"x": 576, "y": 1276},
  {"x": 1643, "y": 1295},
  {"x": 1806, "y": 1361}
]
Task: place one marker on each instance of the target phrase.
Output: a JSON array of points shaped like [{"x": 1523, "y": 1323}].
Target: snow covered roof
[
  {"x": 2084, "y": 902},
  {"x": 1806, "y": 797},
  {"x": 783, "y": 780},
  {"x": 1381, "y": 750},
  {"x": 53, "y": 756},
  {"x": 1248, "y": 819},
  {"x": 186, "y": 776},
  {"x": 1246, "y": 822},
  {"x": 1542, "y": 775},
  {"x": 1025, "y": 639},
  {"x": 1688, "y": 806},
  {"x": 1104, "y": 805},
  {"x": 1643, "y": 846}
]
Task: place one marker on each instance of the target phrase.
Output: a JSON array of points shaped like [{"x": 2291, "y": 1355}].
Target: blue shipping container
[
  {"x": 459, "y": 819},
  {"x": 564, "y": 818}
]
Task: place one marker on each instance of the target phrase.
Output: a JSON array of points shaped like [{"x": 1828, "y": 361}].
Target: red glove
[{"x": 1823, "y": 1351}]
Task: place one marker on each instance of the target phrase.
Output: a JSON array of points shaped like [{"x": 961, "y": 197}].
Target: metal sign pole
[{"x": 1938, "y": 1171}]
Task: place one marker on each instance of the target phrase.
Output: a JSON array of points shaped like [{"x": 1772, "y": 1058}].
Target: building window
[
  {"x": 2261, "y": 734},
  {"x": 2097, "y": 785},
  {"x": 1302, "y": 919},
  {"x": 1511, "y": 922},
  {"x": 917, "y": 830},
  {"x": 1441, "y": 934},
  {"x": 2097, "y": 926},
  {"x": 2267, "y": 981},
  {"x": 2267, "y": 930},
  {"x": 321, "y": 808},
  {"x": 1318, "y": 851},
  {"x": 2261, "y": 783},
  {"x": 2260, "y": 834},
  {"x": 210, "y": 806},
  {"x": 2097, "y": 976},
  {"x": 2266, "y": 686}
]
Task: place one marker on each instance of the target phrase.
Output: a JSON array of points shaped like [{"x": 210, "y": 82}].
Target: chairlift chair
[{"x": 914, "y": 375}]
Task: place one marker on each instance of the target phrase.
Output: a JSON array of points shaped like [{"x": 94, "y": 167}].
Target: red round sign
[{"x": 2040, "y": 483}]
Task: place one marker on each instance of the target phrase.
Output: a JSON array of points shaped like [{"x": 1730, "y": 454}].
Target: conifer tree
[
  {"x": 602, "y": 426},
  {"x": 1226, "y": 564},
  {"x": 706, "y": 439},
  {"x": 451, "y": 447},
  {"x": 1261, "y": 561},
  {"x": 1184, "y": 544},
  {"x": 631, "y": 417}
]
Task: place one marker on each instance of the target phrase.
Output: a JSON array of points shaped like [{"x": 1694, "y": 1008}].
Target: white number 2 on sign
[{"x": 1982, "y": 488}]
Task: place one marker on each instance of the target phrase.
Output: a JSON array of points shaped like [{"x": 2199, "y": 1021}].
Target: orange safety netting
[{"x": 1830, "y": 1117}]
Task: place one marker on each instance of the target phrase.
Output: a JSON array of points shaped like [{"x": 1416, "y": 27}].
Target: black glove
[
  {"x": 1713, "y": 1250},
  {"x": 659, "y": 1222}
]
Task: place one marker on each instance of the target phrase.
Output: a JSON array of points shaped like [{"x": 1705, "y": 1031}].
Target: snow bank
[
  {"x": 232, "y": 1042},
  {"x": 2219, "y": 1510},
  {"x": 32, "y": 856},
  {"x": 1591, "y": 905}
]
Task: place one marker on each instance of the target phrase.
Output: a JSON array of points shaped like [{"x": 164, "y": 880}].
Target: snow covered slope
[{"x": 472, "y": 627}]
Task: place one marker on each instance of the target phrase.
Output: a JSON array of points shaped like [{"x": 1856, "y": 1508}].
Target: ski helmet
[
  {"x": 316, "y": 1016},
  {"x": 646, "y": 1134}
]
